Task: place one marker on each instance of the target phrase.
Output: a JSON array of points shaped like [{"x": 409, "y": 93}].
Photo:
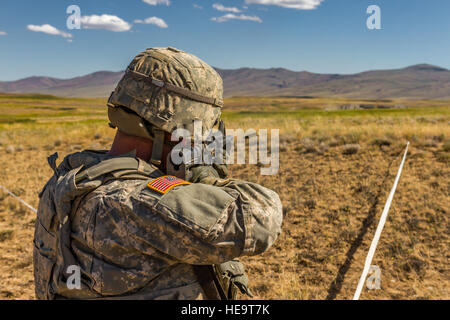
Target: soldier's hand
[
  {"x": 199, "y": 173},
  {"x": 222, "y": 170}
]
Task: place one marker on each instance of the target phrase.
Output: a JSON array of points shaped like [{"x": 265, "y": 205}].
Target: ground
[{"x": 336, "y": 170}]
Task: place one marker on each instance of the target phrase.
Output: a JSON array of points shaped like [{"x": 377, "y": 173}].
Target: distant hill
[
  {"x": 97, "y": 84},
  {"x": 421, "y": 81}
]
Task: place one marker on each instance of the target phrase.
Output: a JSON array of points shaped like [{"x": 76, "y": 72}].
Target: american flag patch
[{"x": 165, "y": 183}]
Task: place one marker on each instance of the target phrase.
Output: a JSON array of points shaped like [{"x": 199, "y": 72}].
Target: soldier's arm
[{"x": 203, "y": 223}]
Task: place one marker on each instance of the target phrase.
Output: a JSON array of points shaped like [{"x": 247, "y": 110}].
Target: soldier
[{"x": 131, "y": 230}]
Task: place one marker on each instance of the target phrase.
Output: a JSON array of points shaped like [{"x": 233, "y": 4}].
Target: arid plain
[{"x": 337, "y": 165}]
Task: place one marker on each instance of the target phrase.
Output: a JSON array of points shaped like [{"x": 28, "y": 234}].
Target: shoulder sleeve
[
  {"x": 207, "y": 224},
  {"x": 262, "y": 213}
]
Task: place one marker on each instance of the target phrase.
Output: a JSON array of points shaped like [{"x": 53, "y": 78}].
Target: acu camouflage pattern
[
  {"x": 164, "y": 109},
  {"x": 134, "y": 243}
]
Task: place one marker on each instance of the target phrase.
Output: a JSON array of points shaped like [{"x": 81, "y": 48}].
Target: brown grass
[{"x": 332, "y": 200}]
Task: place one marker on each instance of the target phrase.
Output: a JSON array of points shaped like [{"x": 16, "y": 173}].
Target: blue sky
[{"x": 325, "y": 36}]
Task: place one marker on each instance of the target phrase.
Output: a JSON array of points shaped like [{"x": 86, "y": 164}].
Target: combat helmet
[{"x": 164, "y": 89}]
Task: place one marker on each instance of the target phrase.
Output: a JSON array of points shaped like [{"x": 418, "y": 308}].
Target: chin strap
[{"x": 157, "y": 150}]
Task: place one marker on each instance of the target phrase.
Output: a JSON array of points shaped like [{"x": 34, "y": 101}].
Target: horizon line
[{"x": 239, "y": 68}]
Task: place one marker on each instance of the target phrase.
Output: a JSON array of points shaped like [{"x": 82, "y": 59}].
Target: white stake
[
  {"x": 373, "y": 245},
  {"x": 18, "y": 198}
]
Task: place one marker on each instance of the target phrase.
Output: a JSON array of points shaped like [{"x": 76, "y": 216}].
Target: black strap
[
  {"x": 52, "y": 162},
  {"x": 209, "y": 282},
  {"x": 178, "y": 90},
  {"x": 114, "y": 164}
]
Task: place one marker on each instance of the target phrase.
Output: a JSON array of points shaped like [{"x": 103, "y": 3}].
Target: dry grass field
[{"x": 336, "y": 169}]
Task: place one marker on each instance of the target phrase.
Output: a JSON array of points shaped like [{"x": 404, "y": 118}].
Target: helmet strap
[{"x": 158, "y": 145}]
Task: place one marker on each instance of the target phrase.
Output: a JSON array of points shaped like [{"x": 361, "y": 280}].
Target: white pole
[
  {"x": 373, "y": 245},
  {"x": 18, "y": 198}
]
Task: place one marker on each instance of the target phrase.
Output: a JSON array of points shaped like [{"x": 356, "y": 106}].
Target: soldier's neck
[{"x": 124, "y": 143}]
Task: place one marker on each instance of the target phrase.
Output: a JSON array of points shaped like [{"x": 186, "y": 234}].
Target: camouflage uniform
[
  {"x": 129, "y": 241},
  {"x": 133, "y": 242}
]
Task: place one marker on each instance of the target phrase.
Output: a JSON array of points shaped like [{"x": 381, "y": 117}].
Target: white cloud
[
  {"x": 196, "y": 6},
  {"x": 220, "y": 7},
  {"x": 156, "y": 2},
  {"x": 48, "y": 29},
  {"x": 3, "y": 33},
  {"x": 153, "y": 20},
  {"x": 292, "y": 4},
  {"x": 232, "y": 16},
  {"x": 105, "y": 21}
]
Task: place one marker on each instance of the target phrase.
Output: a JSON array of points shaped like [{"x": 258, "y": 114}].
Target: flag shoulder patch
[{"x": 165, "y": 183}]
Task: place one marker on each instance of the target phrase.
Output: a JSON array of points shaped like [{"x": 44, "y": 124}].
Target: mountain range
[{"x": 422, "y": 81}]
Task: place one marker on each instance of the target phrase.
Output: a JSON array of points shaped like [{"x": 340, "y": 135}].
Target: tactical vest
[{"x": 52, "y": 254}]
